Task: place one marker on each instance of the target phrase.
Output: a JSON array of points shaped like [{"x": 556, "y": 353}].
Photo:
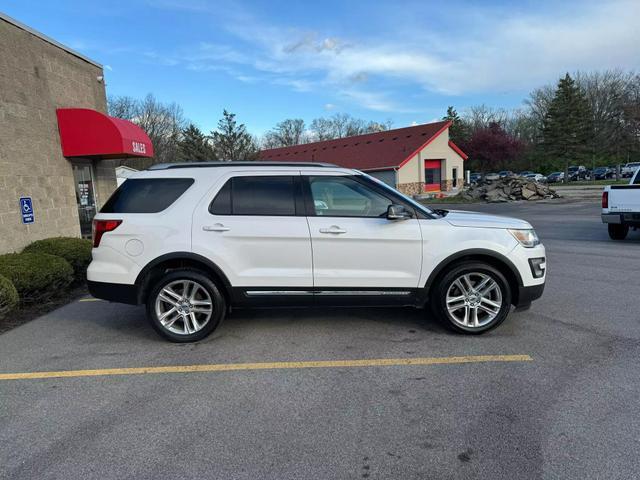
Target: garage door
[{"x": 386, "y": 176}]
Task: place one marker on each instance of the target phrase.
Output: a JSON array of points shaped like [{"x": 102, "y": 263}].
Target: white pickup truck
[{"x": 621, "y": 207}]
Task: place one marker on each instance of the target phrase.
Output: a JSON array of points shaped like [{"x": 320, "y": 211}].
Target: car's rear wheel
[
  {"x": 185, "y": 306},
  {"x": 618, "y": 231},
  {"x": 472, "y": 297}
]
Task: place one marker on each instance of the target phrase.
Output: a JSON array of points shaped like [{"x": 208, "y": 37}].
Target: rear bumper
[
  {"x": 627, "y": 218},
  {"x": 114, "y": 292}
]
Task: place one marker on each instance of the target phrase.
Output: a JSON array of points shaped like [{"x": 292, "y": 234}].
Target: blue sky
[{"x": 378, "y": 60}]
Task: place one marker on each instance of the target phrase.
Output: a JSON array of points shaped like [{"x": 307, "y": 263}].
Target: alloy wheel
[
  {"x": 183, "y": 307},
  {"x": 474, "y": 300}
]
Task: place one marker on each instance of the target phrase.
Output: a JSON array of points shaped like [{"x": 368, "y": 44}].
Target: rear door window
[
  {"x": 146, "y": 195},
  {"x": 256, "y": 195}
]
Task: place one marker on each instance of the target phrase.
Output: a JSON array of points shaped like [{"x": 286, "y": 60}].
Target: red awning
[{"x": 88, "y": 133}]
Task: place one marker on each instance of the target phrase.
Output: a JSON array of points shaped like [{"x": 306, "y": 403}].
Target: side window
[
  {"x": 221, "y": 205},
  {"x": 146, "y": 195},
  {"x": 256, "y": 195},
  {"x": 345, "y": 197}
]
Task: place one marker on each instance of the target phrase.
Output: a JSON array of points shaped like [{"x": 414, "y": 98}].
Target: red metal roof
[
  {"x": 88, "y": 133},
  {"x": 381, "y": 150},
  {"x": 458, "y": 150}
]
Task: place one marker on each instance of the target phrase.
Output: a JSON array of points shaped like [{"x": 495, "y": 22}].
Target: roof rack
[{"x": 168, "y": 166}]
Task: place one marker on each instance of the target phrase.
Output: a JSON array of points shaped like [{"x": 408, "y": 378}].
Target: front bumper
[
  {"x": 526, "y": 295},
  {"x": 115, "y": 292}
]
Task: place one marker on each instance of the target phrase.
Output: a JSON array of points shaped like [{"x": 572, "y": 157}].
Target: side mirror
[{"x": 397, "y": 212}]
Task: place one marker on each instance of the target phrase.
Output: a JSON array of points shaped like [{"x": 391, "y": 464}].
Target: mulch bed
[{"x": 23, "y": 315}]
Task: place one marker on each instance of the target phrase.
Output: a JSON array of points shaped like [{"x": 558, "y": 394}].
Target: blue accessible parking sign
[{"x": 26, "y": 209}]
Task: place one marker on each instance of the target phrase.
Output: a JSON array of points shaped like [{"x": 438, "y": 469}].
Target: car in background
[
  {"x": 505, "y": 173},
  {"x": 537, "y": 177},
  {"x": 603, "y": 173},
  {"x": 525, "y": 173},
  {"x": 621, "y": 207},
  {"x": 555, "y": 177},
  {"x": 629, "y": 169},
  {"x": 578, "y": 173},
  {"x": 475, "y": 177},
  {"x": 492, "y": 176}
]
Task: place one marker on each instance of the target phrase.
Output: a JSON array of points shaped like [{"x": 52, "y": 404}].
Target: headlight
[{"x": 527, "y": 238}]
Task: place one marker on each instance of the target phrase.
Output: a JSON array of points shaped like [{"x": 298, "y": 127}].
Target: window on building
[
  {"x": 432, "y": 176},
  {"x": 148, "y": 195},
  {"x": 256, "y": 195},
  {"x": 345, "y": 197}
]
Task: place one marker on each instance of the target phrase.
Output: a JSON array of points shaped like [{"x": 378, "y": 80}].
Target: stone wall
[
  {"x": 36, "y": 77},
  {"x": 415, "y": 188}
]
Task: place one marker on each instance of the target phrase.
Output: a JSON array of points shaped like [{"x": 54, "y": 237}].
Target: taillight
[
  {"x": 100, "y": 227},
  {"x": 605, "y": 199}
]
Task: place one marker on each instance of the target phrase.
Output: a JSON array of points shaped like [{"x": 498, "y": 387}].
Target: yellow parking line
[
  {"x": 225, "y": 367},
  {"x": 90, "y": 299}
]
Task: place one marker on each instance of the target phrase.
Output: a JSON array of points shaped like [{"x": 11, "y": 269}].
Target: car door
[
  {"x": 252, "y": 226},
  {"x": 356, "y": 249}
]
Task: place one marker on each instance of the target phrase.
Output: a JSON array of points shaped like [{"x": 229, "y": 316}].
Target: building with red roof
[{"x": 414, "y": 159}]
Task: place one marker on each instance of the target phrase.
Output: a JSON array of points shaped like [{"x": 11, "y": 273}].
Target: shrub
[
  {"x": 36, "y": 276},
  {"x": 76, "y": 251},
  {"x": 8, "y": 296}
]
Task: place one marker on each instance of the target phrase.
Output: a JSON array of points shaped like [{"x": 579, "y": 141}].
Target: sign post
[{"x": 26, "y": 210}]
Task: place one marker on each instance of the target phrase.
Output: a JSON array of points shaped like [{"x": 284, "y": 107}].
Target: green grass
[
  {"x": 451, "y": 199},
  {"x": 591, "y": 182}
]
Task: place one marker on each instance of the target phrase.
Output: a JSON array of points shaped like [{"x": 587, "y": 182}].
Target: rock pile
[{"x": 509, "y": 189}]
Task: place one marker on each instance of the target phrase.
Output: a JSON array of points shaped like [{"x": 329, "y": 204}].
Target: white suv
[{"x": 193, "y": 240}]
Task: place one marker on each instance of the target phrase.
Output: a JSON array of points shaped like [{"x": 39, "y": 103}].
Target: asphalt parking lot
[{"x": 561, "y": 402}]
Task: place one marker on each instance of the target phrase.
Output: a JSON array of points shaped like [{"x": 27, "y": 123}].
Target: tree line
[
  {"x": 590, "y": 118},
  {"x": 175, "y": 139}
]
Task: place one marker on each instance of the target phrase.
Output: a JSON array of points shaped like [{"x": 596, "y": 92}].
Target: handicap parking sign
[{"x": 26, "y": 209}]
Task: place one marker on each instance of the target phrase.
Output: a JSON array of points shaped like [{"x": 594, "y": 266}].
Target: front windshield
[{"x": 410, "y": 200}]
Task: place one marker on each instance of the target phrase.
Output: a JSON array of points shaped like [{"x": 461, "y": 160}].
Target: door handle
[
  {"x": 218, "y": 227},
  {"x": 333, "y": 229}
]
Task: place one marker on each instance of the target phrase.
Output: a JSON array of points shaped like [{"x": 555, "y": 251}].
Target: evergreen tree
[
  {"x": 194, "y": 146},
  {"x": 567, "y": 127},
  {"x": 231, "y": 141},
  {"x": 458, "y": 131}
]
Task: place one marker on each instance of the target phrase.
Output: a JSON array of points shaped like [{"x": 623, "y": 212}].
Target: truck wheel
[
  {"x": 472, "y": 297},
  {"x": 618, "y": 231},
  {"x": 185, "y": 306}
]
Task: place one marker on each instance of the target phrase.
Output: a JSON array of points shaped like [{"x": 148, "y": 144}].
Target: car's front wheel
[
  {"x": 185, "y": 306},
  {"x": 472, "y": 297}
]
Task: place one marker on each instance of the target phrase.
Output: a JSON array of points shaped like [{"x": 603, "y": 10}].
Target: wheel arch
[
  {"x": 176, "y": 260},
  {"x": 496, "y": 260}
]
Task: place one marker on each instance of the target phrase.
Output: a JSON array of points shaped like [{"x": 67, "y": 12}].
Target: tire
[
  {"x": 617, "y": 231},
  {"x": 447, "y": 289},
  {"x": 168, "y": 299}
]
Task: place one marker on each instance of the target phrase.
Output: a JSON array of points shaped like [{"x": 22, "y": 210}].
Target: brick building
[
  {"x": 414, "y": 159},
  {"x": 58, "y": 147}
]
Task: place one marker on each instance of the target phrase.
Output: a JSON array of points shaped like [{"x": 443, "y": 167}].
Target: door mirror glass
[{"x": 397, "y": 212}]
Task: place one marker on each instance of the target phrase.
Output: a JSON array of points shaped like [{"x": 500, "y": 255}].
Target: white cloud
[{"x": 494, "y": 52}]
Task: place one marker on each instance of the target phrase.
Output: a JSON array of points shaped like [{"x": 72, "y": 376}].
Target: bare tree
[
  {"x": 163, "y": 123},
  {"x": 287, "y": 133},
  {"x": 481, "y": 116},
  {"x": 344, "y": 125}
]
